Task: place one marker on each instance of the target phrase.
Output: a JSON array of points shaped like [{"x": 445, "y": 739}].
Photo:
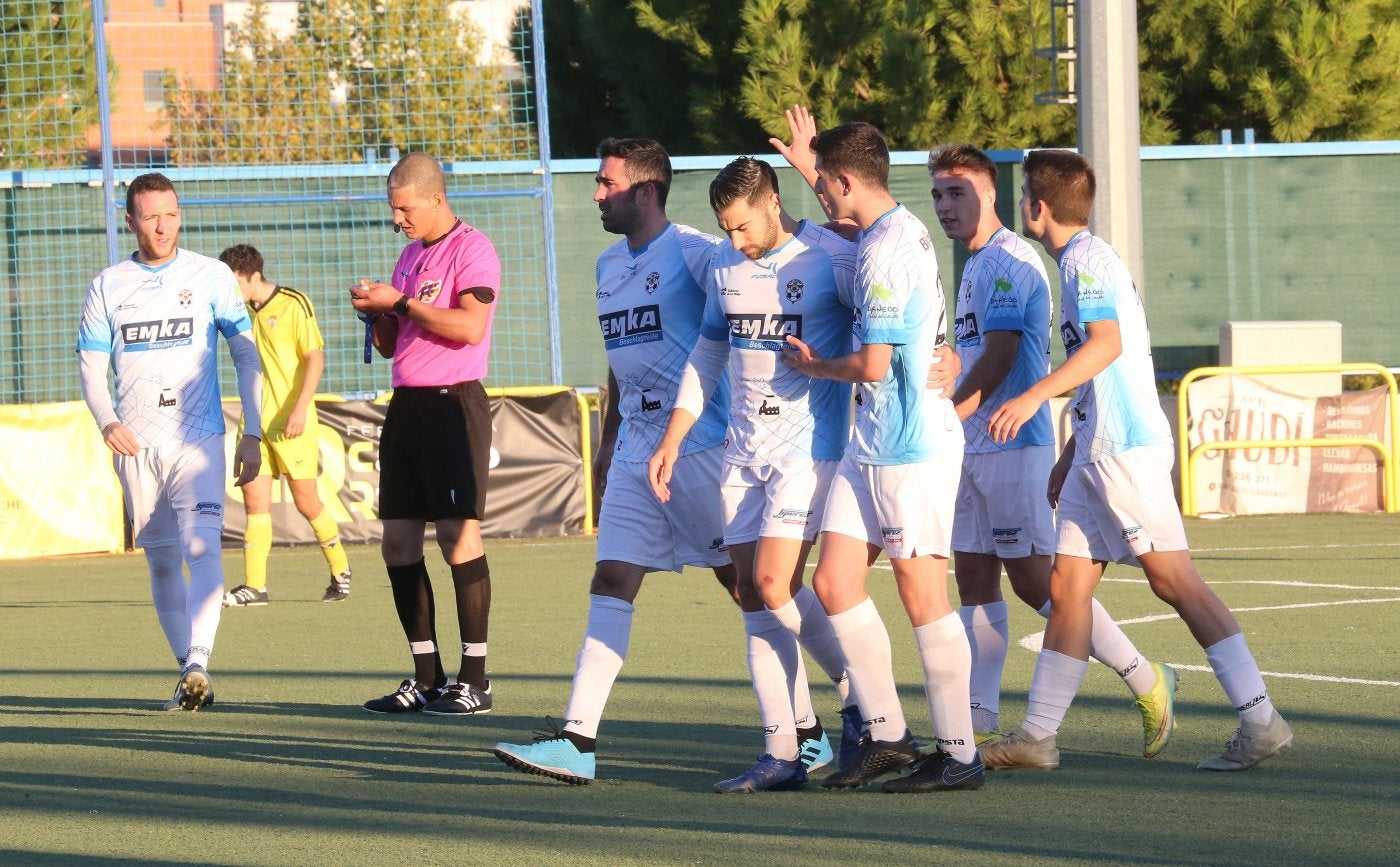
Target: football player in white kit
[
  {"x": 896, "y": 485},
  {"x": 155, "y": 320},
  {"x": 651, "y": 297},
  {"x": 1003, "y": 518},
  {"x": 1113, "y": 482},
  {"x": 773, "y": 277}
]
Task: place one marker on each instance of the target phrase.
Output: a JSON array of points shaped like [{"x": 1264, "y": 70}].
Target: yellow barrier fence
[{"x": 1188, "y": 456}]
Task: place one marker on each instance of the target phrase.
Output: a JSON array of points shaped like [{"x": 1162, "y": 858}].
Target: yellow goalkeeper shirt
[{"x": 284, "y": 327}]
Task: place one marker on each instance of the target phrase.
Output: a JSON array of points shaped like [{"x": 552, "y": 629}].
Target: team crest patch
[
  {"x": 794, "y": 290},
  {"x": 653, "y": 282},
  {"x": 272, "y": 322},
  {"x": 185, "y": 297},
  {"x": 428, "y": 291}
]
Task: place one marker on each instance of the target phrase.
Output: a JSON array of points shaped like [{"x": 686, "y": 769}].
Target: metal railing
[{"x": 1188, "y": 456}]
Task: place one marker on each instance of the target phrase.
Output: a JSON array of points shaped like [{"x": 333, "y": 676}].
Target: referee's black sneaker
[{"x": 410, "y": 697}]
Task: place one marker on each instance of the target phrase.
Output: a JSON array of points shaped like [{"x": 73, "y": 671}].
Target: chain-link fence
[{"x": 278, "y": 121}]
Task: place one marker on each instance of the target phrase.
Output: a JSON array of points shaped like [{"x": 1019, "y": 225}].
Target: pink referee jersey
[{"x": 436, "y": 274}]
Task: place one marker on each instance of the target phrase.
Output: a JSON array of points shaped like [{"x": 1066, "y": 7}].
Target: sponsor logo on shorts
[
  {"x": 717, "y": 544},
  {"x": 208, "y": 508},
  {"x": 1006, "y": 535},
  {"x": 629, "y": 327},
  {"x": 892, "y": 535},
  {"x": 1131, "y": 534},
  {"x": 793, "y": 516}
]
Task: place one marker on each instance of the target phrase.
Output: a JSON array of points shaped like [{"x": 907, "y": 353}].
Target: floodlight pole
[{"x": 1109, "y": 124}]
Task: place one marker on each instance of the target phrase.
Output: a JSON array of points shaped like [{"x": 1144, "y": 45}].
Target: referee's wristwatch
[{"x": 401, "y": 307}]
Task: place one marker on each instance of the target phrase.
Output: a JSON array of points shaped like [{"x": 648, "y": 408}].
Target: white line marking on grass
[
  {"x": 1309, "y": 584},
  {"x": 1284, "y": 674},
  {"x": 1298, "y": 547},
  {"x": 1035, "y": 640}
]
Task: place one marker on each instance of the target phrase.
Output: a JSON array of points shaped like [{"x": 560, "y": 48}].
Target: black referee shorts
[{"x": 435, "y": 452}]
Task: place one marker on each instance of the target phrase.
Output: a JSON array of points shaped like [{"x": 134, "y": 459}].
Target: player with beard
[{"x": 651, "y": 296}]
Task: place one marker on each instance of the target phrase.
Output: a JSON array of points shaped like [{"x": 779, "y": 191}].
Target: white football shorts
[
  {"x": 173, "y": 487},
  {"x": 1002, "y": 508},
  {"x": 635, "y": 527},
  {"x": 778, "y": 502},
  {"x": 1118, "y": 507},
  {"x": 907, "y": 509}
]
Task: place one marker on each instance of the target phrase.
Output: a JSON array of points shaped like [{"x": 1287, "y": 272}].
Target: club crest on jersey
[
  {"x": 629, "y": 327},
  {"x": 794, "y": 290},
  {"x": 271, "y": 322},
  {"x": 157, "y": 334},
  {"x": 428, "y": 291},
  {"x": 766, "y": 331},
  {"x": 185, "y": 297},
  {"x": 653, "y": 282}
]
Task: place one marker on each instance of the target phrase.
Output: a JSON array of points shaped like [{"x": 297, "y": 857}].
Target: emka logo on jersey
[
  {"x": 631, "y": 326},
  {"x": 763, "y": 330},
  {"x": 157, "y": 334},
  {"x": 965, "y": 327}
]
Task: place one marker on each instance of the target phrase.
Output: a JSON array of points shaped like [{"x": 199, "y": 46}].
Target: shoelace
[{"x": 555, "y": 733}]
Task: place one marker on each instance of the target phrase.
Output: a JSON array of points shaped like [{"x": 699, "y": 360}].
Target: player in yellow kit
[{"x": 290, "y": 347}]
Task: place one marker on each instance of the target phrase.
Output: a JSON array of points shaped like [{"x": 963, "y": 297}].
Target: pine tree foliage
[
  {"x": 1294, "y": 70},
  {"x": 48, "y": 83}
]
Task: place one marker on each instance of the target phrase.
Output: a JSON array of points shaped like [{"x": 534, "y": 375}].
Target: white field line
[{"x": 1034, "y": 641}]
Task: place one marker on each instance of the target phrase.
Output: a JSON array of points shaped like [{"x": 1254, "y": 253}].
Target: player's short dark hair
[
  {"x": 243, "y": 259},
  {"x": 855, "y": 148},
  {"x": 151, "y": 182},
  {"x": 645, "y": 161},
  {"x": 961, "y": 158},
  {"x": 1064, "y": 180},
  {"x": 745, "y": 178}
]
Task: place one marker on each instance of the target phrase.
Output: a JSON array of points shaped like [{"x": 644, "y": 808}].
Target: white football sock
[
  {"x": 947, "y": 659},
  {"x": 865, "y": 645},
  {"x": 1238, "y": 672},
  {"x": 204, "y": 599},
  {"x": 1053, "y": 687},
  {"x": 815, "y": 637},
  {"x": 772, "y": 659},
  {"x": 168, "y": 593},
  {"x": 600, "y": 659},
  {"x": 1109, "y": 644},
  {"x": 988, "y": 636}
]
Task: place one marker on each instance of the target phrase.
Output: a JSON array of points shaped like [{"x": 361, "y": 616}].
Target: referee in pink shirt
[{"x": 435, "y": 323}]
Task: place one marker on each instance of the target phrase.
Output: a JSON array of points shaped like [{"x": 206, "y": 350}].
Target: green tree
[
  {"x": 1296, "y": 70},
  {"x": 48, "y": 83},
  {"x": 356, "y": 76}
]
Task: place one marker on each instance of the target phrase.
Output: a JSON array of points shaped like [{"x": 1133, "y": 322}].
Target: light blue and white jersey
[
  {"x": 1118, "y": 409},
  {"x": 805, "y": 288},
  {"x": 161, "y": 327},
  {"x": 900, "y": 302},
  {"x": 1004, "y": 288},
  {"x": 649, "y": 306}
]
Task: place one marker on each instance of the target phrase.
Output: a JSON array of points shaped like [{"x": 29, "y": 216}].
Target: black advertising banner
[{"x": 535, "y": 486}]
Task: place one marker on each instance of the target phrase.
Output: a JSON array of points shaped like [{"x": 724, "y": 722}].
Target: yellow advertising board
[{"x": 58, "y": 491}]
